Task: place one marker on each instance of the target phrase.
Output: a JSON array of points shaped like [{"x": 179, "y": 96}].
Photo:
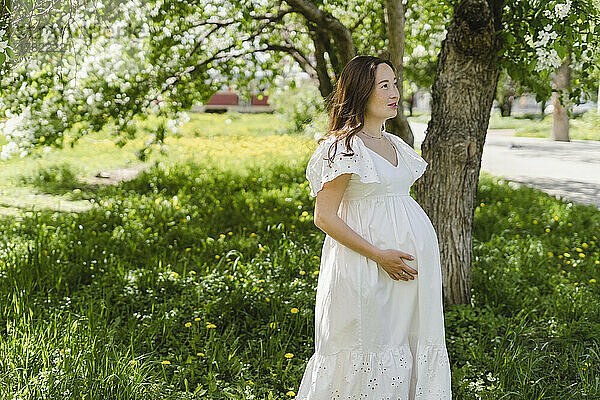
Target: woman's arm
[{"x": 326, "y": 218}]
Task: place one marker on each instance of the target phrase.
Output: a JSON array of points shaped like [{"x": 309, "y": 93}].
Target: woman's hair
[{"x": 347, "y": 103}]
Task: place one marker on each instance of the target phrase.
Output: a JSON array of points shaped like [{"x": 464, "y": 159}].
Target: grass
[
  {"x": 583, "y": 127},
  {"x": 197, "y": 279}
]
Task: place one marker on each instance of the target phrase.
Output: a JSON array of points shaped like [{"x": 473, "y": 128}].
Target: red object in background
[
  {"x": 262, "y": 102},
  {"x": 224, "y": 99}
]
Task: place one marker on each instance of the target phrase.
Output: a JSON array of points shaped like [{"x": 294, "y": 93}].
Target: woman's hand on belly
[{"x": 391, "y": 261}]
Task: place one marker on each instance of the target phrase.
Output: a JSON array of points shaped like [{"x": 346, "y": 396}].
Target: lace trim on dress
[
  {"x": 382, "y": 375},
  {"x": 319, "y": 170}
]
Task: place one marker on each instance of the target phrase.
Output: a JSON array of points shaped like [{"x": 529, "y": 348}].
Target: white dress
[{"x": 377, "y": 338}]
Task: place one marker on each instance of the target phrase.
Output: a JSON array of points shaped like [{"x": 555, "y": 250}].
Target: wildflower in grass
[
  {"x": 563, "y": 271},
  {"x": 567, "y": 255},
  {"x": 228, "y": 259},
  {"x": 560, "y": 256},
  {"x": 581, "y": 255},
  {"x": 200, "y": 354},
  {"x": 230, "y": 277},
  {"x": 288, "y": 355},
  {"x": 547, "y": 229},
  {"x": 132, "y": 362},
  {"x": 166, "y": 362},
  {"x": 273, "y": 325},
  {"x": 550, "y": 254},
  {"x": 534, "y": 221},
  {"x": 517, "y": 236},
  {"x": 569, "y": 224},
  {"x": 294, "y": 310},
  {"x": 575, "y": 283},
  {"x": 261, "y": 248},
  {"x": 217, "y": 256},
  {"x": 584, "y": 245},
  {"x": 250, "y": 383},
  {"x": 267, "y": 299},
  {"x": 568, "y": 261},
  {"x": 188, "y": 324},
  {"x": 481, "y": 204},
  {"x": 197, "y": 319},
  {"x": 230, "y": 233},
  {"x": 316, "y": 272},
  {"x": 211, "y": 326},
  {"x": 292, "y": 226},
  {"x": 222, "y": 236},
  {"x": 291, "y": 393},
  {"x": 304, "y": 213},
  {"x": 316, "y": 257},
  {"x": 556, "y": 217},
  {"x": 261, "y": 281},
  {"x": 188, "y": 249},
  {"x": 579, "y": 249},
  {"x": 175, "y": 274},
  {"x": 531, "y": 381},
  {"x": 252, "y": 234},
  {"x": 302, "y": 272},
  {"x": 596, "y": 262},
  {"x": 192, "y": 272}
]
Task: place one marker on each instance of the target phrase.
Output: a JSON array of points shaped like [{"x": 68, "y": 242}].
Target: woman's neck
[{"x": 373, "y": 127}]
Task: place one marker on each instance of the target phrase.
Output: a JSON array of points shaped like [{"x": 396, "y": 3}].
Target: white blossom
[{"x": 562, "y": 10}]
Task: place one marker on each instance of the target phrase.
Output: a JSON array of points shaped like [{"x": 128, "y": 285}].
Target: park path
[{"x": 570, "y": 170}]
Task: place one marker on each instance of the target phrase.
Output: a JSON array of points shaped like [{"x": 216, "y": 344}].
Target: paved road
[{"x": 570, "y": 170}]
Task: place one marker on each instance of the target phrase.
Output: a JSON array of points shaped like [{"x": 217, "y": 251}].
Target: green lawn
[
  {"x": 584, "y": 127},
  {"x": 197, "y": 279}
]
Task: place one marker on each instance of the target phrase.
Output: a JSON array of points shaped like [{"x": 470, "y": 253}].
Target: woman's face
[{"x": 383, "y": 102}]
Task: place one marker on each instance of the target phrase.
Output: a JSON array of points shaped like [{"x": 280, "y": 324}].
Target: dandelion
[
  {"x": 592, "y": 280},
  {"x": 563, "y": 271},
  {"x": 294, "y": 310},
  {"x": 302, "y": 272},
  {"x": 596, "y": 262},
  {"x": 531, "y": 381},
  {"x": 584, "y": 245},
  {"x": 261, "y": 248},
  {"x": 267, "y": 299},
  {"x": 292, "y": 226},
  {"x": 517, "y": 236},
  {"x": 567, "y": 255},
  {"x": 575, "y": 283},
  {"x": 250, "y": 383},
  {"x": 197, "y": 319},
  {"x": 581, "y": 255},
  {"x": 547, "y": 229},
  {"x": 291, "y": 393},
  {"x": 550, "y": 254},
  {"x": 211, "y": 326},
  {"x": 230, "y": 233},
  {"x": 272, "y": 325},
  {"x": 200, "y": 354},
  {"x": 535, "y": 221},
  {"x": 316, "y": 257},
  {"x": 217, "y": 256},
  {"x": 579, "y": 249},
  {"x": 481, "y": 204},
  {"x": 288, "y": 355},
  {"x": 556, "y": 217},
  {"x": 316, "y": 272},
  {"x": 192, "y": 272},
  {"x": 188, "y": 249},
  {"x": 166, "y": 362},
  {"x": 222, "y": 236},
  {"x": 252, "y": 234},
  {"x": 188, "y": 324},
  {"x": 304, "y": 213}
]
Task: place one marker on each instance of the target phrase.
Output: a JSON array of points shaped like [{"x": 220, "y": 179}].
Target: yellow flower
[
  {"x": 291, "y": 393},
  {"x": 316, "y": 257},
  {"x": 535, "y": 221},
  {"x": 200, "y": 354},
  {"x": 217, "y": 256},
  {"x": 197, "y": 319},
  {"x": 132, "y": 362},
  {"x": 188, "y": 249},
  {"x": 228, "y": 259},
  {"x": 267, "y": 299},
  {"x": 517, "y": 235},
  {"x": 563, "y": 271},
  {"x": 556, "y": 217},
  {"x": 292, "y": 226},
  {"x": 294, "y": 310},
  {"x": 192, "y": 272},
  {"x": 252, "y": 234},
  {"x": 261, "y": 281},
  {"x": 316, "y": 272},
  {"x": 209, "y": 326},
  {"x": 531, "y": 381},
  {"x": 302, "y": 272},
  {"x": 188, "y": 324},
  {"x": 579, "y": 249},
  {"x": 273, "y": 325},
  {"x": 166, "y": 362},
  {"x": 596, "y": 262},
  {"x": 569, "y": 224},
  {"x": 250, "y": 383},
  {"x": 222, "y": 236},
  {"x": 575, "y": 283},
  {"x": 261, "y": 248},
  {"x": 584, "y": 245},
  {"x": 592, "y": 280},
  {"x": 288, "y": 355},
  {"x": 567, "y": 255},
  {"x": 230, "y": 233},
  {"x": 304, "y": 213},
  {"x": 550, "y": 254},
  {"x": 547, "y": 229},
  {"x": 175, "y": 274},
  {"x": 581, "y": 255}
]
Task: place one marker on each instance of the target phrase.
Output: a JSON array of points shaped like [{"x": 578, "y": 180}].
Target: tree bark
[
  {"x": 560, "y": 119},
  {"x": 395, "y": 14},
  {"x": 462, "y": 95}
]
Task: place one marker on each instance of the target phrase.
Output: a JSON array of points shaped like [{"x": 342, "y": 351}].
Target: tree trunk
[
  {"x": 462, "y": 95},
  {"x": 560, "y": 119},
  {"x": 395, "y": 15}
]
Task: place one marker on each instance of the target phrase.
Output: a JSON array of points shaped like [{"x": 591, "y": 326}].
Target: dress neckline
[{"x": 380, "y": 156}]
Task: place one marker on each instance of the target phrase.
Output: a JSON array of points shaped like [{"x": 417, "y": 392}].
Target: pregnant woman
[{"x": 379, "y": 323}]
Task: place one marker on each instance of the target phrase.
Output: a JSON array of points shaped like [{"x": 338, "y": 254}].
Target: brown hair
[{"x": 347, "y": 103}]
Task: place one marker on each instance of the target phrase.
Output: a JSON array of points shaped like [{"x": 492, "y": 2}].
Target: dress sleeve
[
  {"x": 319, "y": 170},
  {"x": 415, "y": 162}
]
